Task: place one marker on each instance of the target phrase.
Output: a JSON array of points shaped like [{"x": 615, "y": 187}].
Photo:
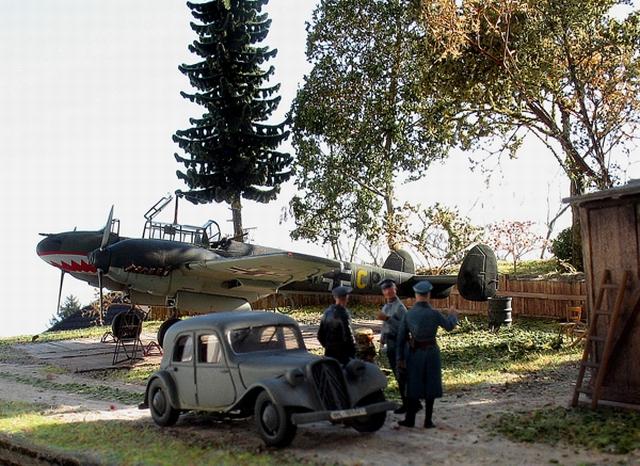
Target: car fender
[
  {"x": 169, "y": 385},
  {"x": 298, "y": 397},
  {"x": 370, "y": 380}
]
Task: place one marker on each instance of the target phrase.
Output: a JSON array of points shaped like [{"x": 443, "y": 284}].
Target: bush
[{"x": 561, "y": 246}]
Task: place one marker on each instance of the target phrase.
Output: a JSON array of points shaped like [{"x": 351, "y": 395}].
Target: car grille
[{"x": 330, "y": 384}]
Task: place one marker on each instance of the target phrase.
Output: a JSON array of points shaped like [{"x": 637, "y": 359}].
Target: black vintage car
[{"x": 255, "y": 363}]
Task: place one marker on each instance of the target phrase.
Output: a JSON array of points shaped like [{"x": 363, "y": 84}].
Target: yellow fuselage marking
[{"x": 360, "y": 276}]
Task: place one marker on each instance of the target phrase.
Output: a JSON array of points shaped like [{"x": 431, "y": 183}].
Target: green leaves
[
  {"x": 566, "y": 72},
  {"x": 356, "y": 117}
]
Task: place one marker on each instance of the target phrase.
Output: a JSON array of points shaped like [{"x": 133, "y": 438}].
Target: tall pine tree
[{"x": 231, "y": 150}]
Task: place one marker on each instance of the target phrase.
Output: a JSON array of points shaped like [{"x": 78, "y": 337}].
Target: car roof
[{"x": 224, "y": 321}]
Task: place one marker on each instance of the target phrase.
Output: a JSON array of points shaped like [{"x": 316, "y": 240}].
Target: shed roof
[{"x": 632, "y": 188}]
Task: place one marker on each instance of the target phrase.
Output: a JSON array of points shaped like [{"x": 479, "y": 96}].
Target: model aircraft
[{"x": 190, "y": 268}]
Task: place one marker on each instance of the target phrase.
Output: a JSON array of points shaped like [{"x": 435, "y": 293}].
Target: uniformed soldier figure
[
  {"x": 421, "y": 356},
  {"x": 391, "y": 314},
  {"x": 335, "y": 333}
]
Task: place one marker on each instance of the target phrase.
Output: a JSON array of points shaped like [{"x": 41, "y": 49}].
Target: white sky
[{"x": 89, "y": 99}]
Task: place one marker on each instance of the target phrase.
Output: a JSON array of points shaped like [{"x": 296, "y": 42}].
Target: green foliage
[
  {"x": 566, "y": 72},
  {"x": 562, "y": 248},
  {"x": 355, "y": 120},
  {"x": 533, "y": 267},
  {"x": 70, "y": 306},
  {"x": 607, "y": 430},
  {"x": 441, "y": 235},
  {"x": 231, "y": 150}
]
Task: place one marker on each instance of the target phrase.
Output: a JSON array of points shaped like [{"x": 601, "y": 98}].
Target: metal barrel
[{"x": 499, "y": 312}]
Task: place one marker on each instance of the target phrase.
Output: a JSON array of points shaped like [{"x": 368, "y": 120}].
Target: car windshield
[{"x": 266, "y": 338}]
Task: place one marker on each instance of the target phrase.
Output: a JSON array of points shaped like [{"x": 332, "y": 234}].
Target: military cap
[
  {"x": 340, "y": 291},
  {"x": 386, "y": 283},
  {"x": 423, "y": 287}
]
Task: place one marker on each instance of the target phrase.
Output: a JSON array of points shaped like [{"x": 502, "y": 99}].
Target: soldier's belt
[{"x": 421, "y": 344}]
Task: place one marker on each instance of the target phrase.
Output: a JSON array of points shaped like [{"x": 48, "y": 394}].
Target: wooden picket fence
[{"x": 531, "y": 298}]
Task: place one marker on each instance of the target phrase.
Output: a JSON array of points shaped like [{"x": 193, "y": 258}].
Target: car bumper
[{"x": 341, "y": 415}]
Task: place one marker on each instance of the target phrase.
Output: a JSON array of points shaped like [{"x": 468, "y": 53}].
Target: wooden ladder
[{"x": 599, "y": 368}]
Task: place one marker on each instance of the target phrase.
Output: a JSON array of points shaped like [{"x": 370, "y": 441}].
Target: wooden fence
[{"x": 531, "y": 298}]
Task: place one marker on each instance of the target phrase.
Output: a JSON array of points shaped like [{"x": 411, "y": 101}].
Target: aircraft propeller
[{"x": 105, "y": 240}]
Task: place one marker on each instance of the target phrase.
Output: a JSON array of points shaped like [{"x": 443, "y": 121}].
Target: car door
[
  {"x": 215, "y": 385},
  {"x": 183, "y": 365}
]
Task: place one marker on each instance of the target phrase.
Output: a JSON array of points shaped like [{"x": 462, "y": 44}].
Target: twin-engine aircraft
[{"x": 194, "y": 269}]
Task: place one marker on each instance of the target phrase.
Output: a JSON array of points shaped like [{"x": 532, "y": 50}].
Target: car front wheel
[
  {"x": 162, "y": 412},
  {"x": 273, "y": 422},
  {"x": 372, "y": 422}
]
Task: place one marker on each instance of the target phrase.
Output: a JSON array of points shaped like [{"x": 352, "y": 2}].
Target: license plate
[{"x": 344, "y": 413}]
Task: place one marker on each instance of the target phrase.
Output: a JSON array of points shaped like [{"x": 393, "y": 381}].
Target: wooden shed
[{"x": 610, "y": 230}]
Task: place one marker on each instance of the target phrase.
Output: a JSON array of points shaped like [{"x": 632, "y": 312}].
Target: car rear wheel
[
  {"x": 162, "y": 412},
  {"x": 373, "y": 422},
  {"x": 273, "y": 422}
]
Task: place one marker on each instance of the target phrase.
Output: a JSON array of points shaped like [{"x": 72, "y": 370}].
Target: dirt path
[{"x": 460, "y": 436}]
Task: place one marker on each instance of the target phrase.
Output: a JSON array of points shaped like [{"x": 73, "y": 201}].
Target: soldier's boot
[
  {"x": 403, "y": 407},
  {"x": 410, "y": 417},
  {"x": 428, "y": 413},
  {"x": 402, "y": 387}
]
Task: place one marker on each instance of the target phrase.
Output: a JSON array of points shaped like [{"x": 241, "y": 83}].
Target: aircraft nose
[
  {"x": 50, "y": 244},
  {"x": 101, "y": 259}
]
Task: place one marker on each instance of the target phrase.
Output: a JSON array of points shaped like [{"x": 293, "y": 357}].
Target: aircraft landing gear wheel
[
  {"x": 162, "y": 412},
  {"x": 273, "y": 422},
  {"x": 164, "y": 327}
]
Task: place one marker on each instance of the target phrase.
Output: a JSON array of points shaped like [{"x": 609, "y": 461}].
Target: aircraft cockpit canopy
[{"x": 202, "y": 235}]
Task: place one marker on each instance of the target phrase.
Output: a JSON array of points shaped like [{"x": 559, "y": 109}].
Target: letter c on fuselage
[{"x": 361, "y": 274}]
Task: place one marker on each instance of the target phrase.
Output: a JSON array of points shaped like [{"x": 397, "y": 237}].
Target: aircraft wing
[{"x": 277, "y": 268}]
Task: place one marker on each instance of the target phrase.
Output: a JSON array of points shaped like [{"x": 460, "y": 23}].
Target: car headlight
[
  {"x": 294, "y": 377},
  {"x": 356, "y": 368}
]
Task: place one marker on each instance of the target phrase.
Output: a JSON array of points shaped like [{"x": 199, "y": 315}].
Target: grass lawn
[
  {"x": 607, "y": 430},
  {"x": 472, "y": 355},
  {"x": 110, "y": 441}
]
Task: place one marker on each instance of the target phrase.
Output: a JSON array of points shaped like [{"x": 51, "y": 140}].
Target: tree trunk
[
  {"x": 577, "y": 188},
  {"x": 392, "y": 233},
  {"x": 392, "y": 228},
  {"x": 236, "y": 212}
]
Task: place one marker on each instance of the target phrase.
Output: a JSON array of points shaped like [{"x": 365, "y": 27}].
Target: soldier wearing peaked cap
[
  {"x": 391, "y": 315},
  {"x": 421, "y": 356},
  {"x": 335, "y": 333}
]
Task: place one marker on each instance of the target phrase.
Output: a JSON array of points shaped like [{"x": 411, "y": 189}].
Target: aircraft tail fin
[{"x": 400, "y": 261}]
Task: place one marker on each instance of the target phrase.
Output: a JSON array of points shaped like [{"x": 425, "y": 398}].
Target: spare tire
[
  {"x": 127, "y": 325},
  {"x": 164, "y": 327}
]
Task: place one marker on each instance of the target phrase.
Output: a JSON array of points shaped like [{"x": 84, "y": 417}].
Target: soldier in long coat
[
  {"x": 335, "y": 333},
  {"x": 421, "y": 356}
]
